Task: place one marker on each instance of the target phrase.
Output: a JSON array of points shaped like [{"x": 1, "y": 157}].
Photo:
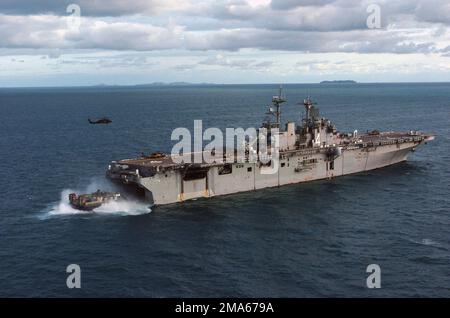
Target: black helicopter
[{"x": 100, "y": 121}]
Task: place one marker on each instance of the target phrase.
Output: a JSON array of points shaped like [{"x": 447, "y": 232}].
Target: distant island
[
  {"x": 172, "y": 84},
  {"x": 339, "y": 82},
  {"x": 155, "y": 84}
]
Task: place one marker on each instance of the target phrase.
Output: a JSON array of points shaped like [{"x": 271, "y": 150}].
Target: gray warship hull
[
  {"x": 312, "y": 151},
  {"x": 173, "y": 185}
]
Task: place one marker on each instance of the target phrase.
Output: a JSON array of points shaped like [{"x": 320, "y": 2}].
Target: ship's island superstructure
[{"x": 310, "y": 151}]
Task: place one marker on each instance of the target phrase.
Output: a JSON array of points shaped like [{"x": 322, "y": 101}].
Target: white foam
[
  {"x": 122, "y": 207},
  {"x": 429, "y": 242},
  {"x": 426, "y": 241}
]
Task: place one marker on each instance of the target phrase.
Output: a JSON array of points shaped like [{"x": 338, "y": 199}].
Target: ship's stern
[{"x": 128, "y": 178}]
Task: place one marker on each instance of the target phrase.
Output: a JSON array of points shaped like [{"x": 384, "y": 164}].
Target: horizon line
[{"x": 175, "y": 84}]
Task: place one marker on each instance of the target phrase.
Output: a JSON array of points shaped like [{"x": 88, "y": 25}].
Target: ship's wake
[{"x": 122, "y": 207}]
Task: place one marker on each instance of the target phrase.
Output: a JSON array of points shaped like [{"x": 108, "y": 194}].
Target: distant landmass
[
  {"x": 171, "y": 84},
  {"x": 154, "y": 84},
  {"x": 339, "y": 82}
]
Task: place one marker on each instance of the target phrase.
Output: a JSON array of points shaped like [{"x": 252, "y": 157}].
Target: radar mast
[{"x": 275, "y": 110}]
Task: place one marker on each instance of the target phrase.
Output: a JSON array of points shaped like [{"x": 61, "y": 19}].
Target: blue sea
[{"x": 305, "y": 240}]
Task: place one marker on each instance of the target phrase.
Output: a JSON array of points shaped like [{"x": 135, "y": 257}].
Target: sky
[{"x": 116, "y": 42}]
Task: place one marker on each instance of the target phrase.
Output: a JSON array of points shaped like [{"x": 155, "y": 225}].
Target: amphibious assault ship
[{"x": 312, "y": 150}]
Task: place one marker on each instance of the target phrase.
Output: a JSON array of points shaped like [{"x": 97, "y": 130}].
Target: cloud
[
  {"x": 241, "y": 14},
  {"x": 434, "y": 11},
  {"x": 290, "y": 4},
  {"x": 52, "y": 32},
  {"x": 366, "y": 41},
  {"x": 274, "y": 13},
  {"x": 88, "y": 7},
  {"x": 323, "y": 26},
  {"x": 243, "y": 64},
  {"x": 184, "y": 67},
  {"x": 105, "y": 61}
]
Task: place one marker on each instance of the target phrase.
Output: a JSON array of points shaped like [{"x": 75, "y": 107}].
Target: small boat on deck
[{"x": 89, "y": 202}]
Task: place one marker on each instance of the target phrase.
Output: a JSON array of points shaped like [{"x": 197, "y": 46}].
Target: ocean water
[{"x": 305, "y": 240}]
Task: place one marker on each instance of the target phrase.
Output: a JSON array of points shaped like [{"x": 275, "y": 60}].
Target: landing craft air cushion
[{"x": 311, "y": 151}]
